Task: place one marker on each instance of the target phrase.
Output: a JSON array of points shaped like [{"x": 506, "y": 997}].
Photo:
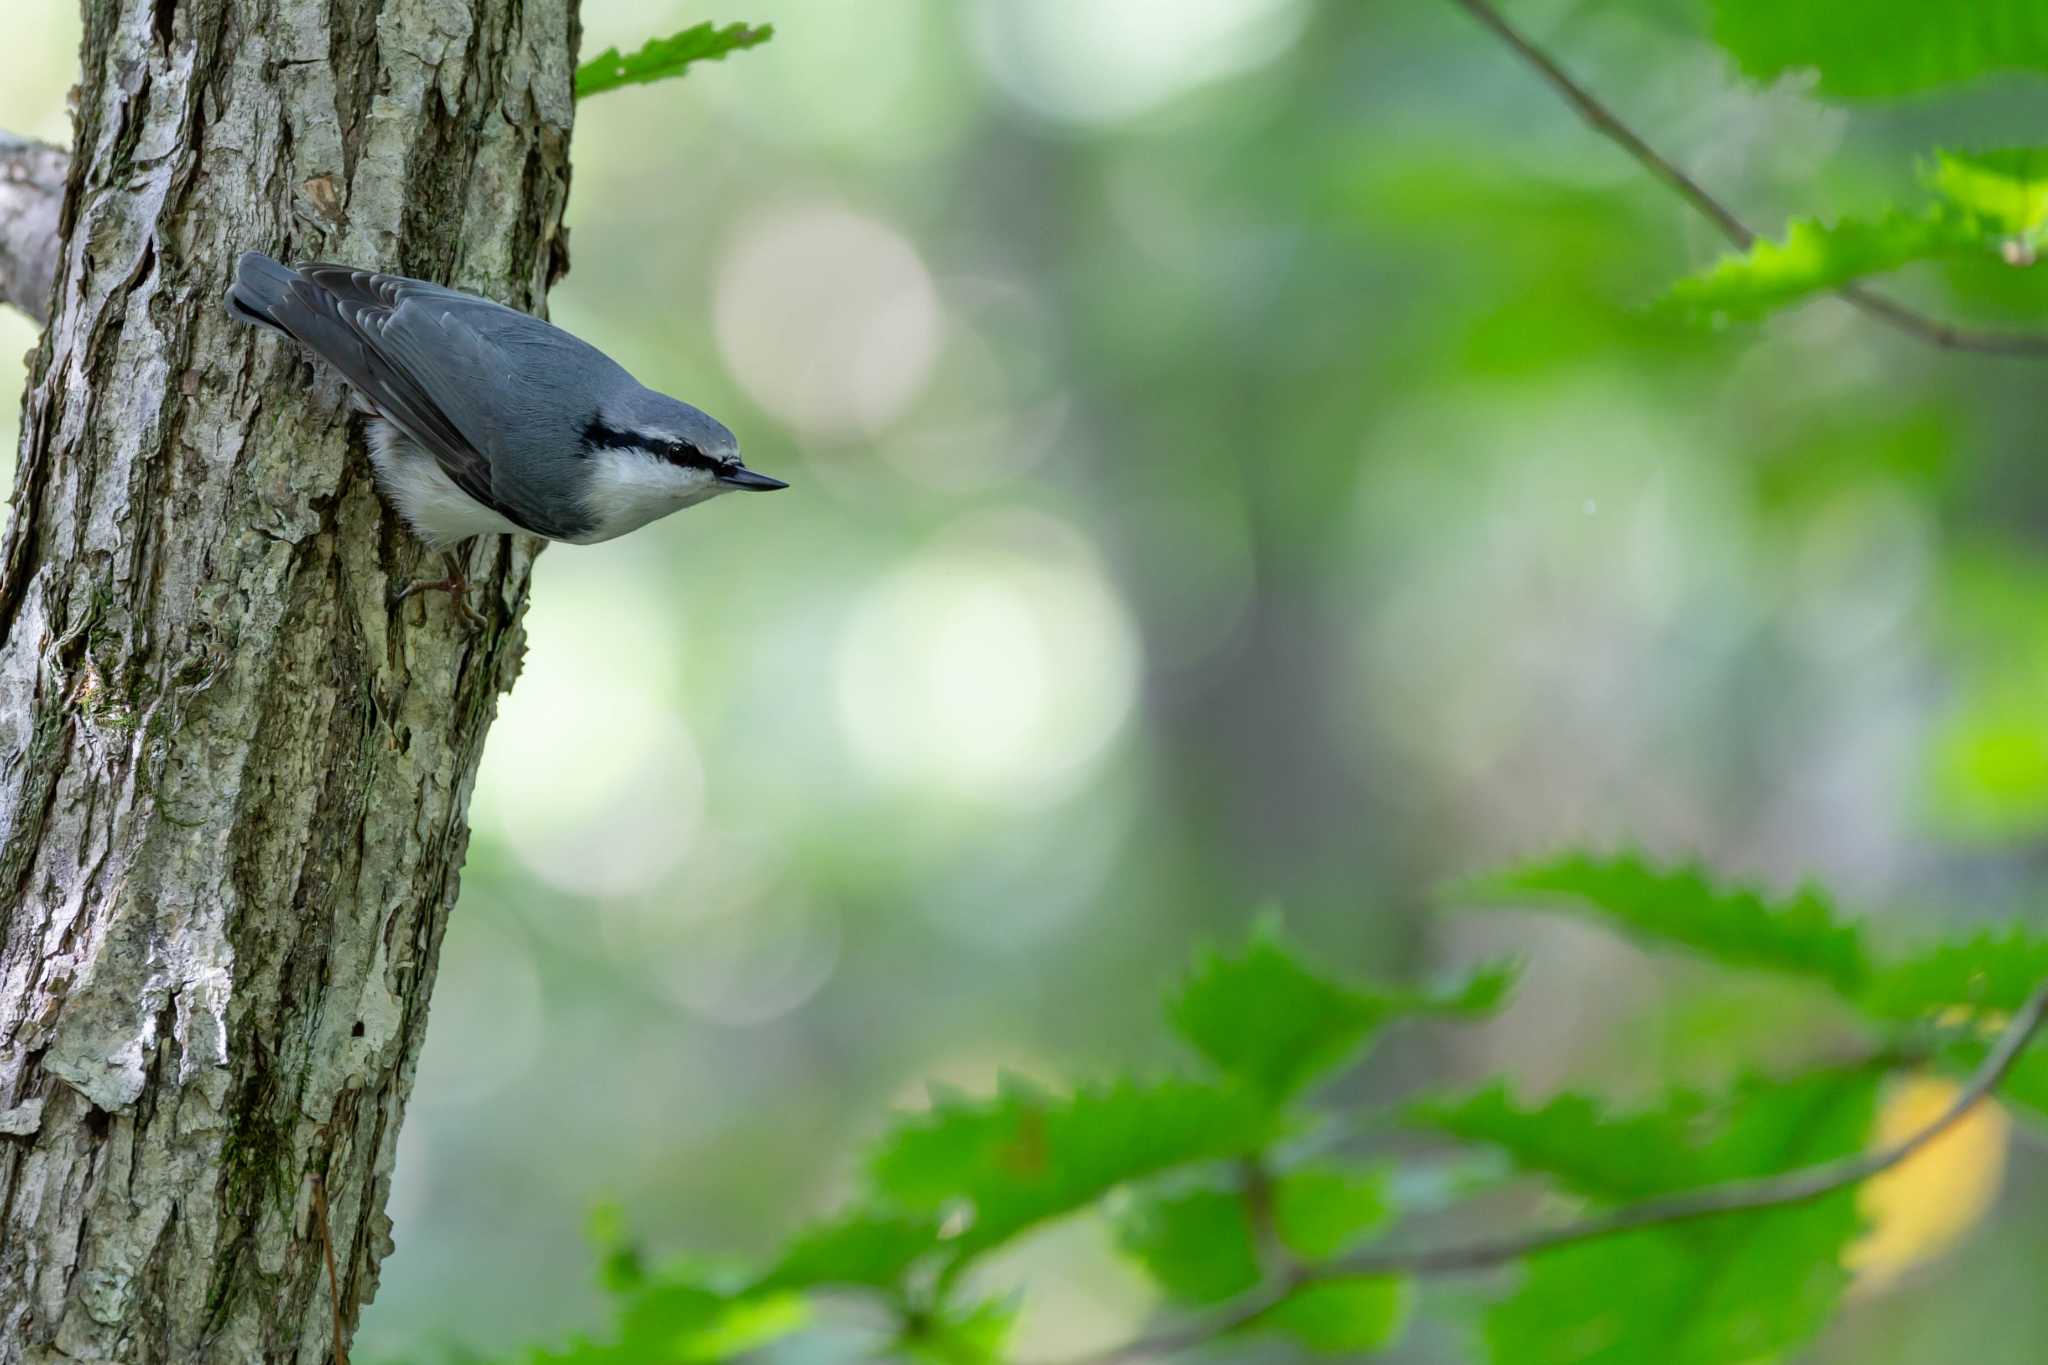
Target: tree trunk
[{"x": 233, "y": 777}]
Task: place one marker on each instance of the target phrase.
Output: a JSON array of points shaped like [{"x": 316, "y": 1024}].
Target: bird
[{"x": 485, "y": 420}]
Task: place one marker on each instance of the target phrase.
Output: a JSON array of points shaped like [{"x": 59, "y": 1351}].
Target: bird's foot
[{"x": 456, "y": 585}]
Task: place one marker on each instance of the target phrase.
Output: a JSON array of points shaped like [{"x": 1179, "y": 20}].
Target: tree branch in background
[
  {"x": 1738, "y": 1196},
  {"x": 31, "y": 197},
  {"x": 1604, "y": 121}
]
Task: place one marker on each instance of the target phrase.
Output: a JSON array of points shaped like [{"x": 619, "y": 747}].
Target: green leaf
[
  {"x": 1973, "y": 984},
  {"x": 1883, "y": 47},
  {"x": 1692, "y": 1297},
  {"x": 1686, "y": 1141},
  {"x": 1739, "y": 1287},
  {"x": 2025, "y": 1088},
  {"x": 1573, "y": 1138},
  {"x": 683, "y": 1324},
  {"x": 620, "y": 1266},
  {"x": 662, "y": 58},
  {"x": 1817, "y": 258},
  {"x": 2007, "y": 188},
  {"x": 1199, "y": 1246},
  {"x": 1027, "y": 1156},
  {"x": 1324, "y": 1210},
  {"x": 1358, "y": 1313},
  {"x": 1265, "y": 1017},
  {"x": 975, "y": 1336},
  {"x": 743, "y": 1324},
  {"x": 1680, "y": 906},
  {"x": 873, "y": 1249},
  {"x": 1993, "y": 970},
  {"x": 1994, "y": 211}
]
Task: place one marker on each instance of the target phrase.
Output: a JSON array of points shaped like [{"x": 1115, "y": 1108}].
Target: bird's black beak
[{"x": 747, "y": 481}]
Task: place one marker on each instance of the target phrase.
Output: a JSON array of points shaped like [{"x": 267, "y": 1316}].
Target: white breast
[{"x": 438, "y": 511}]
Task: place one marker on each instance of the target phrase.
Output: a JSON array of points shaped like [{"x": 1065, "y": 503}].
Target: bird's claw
[{"x": 456, "y": 585}]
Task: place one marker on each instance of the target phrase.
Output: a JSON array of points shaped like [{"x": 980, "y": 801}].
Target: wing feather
[{"x": 386, "y": 333}]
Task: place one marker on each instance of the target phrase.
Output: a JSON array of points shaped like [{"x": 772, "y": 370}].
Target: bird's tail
[{"x": 261, "y": 286}]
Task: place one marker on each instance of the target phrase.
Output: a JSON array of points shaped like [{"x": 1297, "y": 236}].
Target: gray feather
[{"x": 489, "y": 392}]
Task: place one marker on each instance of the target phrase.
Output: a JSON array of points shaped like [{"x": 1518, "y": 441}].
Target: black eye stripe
[{"x": 599, "y": 436}]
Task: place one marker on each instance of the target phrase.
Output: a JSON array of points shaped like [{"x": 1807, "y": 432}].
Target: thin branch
[
  {"x": 31, "y": 198},
  {"x": 1736, "y": 1196},
  {"x": 1604, "y": 121}
]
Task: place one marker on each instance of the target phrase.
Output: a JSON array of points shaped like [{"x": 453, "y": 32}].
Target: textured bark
[
  {"x": 232, "y": 776},
  {"x": 31, "y": 193}
]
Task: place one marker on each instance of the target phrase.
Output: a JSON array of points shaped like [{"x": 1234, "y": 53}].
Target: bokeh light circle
[
  {"x": 827, "y": 318},
  {"x": 1102, "y": 61},
  {"x": 997, "y": 664}
]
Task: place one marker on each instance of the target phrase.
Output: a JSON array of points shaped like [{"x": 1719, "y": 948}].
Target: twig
[
  {"x": 333, "y": 1280},
  {"x": 1605, "y": 122},
  {"x": 1736, "y": 1196}
]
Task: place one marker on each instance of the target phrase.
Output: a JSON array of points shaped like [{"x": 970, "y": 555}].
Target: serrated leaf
[
  {"x": 1992, "y": 970},
  {"x": 1883, "y": 47},
  {"x": 1198, "y": 1246},
  {"x": 661, "y": 58},
  {"x": 1324, "y": 1210},
  {"x": 1687, "y": 1140},
  {"x": 1027, "y": 1156},
  {"x": 1817, "y": 258},
  {"x": 1680, "y": 906},
  {"x": 1615, "y": 1157},
  {"x": 1741, "y": 1286},
  {"x": 2006, "y": 188},
  {"x": 873, "y": 1249},
  {"x": 1264, "y": 1016},
  {"x": 1357, "y": 1313}
]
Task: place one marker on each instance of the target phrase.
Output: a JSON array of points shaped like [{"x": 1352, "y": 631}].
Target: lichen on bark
[{"x": 233, "y": 775}]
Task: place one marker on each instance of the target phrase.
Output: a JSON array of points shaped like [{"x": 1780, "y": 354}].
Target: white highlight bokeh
[
  {"x": 751, "y": 966},
  {"x": 1102, "y": 61},
  {"x": 591, "y": 780},
  {"x": 997, "y": 664},
  {"x": 827, "y": 318}
]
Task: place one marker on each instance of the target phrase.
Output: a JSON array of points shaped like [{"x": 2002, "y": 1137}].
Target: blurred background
[{"x": 1234, "y": 467}]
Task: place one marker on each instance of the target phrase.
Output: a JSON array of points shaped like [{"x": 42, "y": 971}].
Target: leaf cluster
[{"x": 1233, "y": 1187}]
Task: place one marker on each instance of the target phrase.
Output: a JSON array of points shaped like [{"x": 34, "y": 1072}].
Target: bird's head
[{"x": 650, "y": 454}]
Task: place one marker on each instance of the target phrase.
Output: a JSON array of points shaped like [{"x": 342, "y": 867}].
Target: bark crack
[{"x": 232, "y": 780}]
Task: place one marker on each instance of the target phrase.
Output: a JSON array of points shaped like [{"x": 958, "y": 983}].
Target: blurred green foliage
[
  {"x": 1211, "y": 1193},
  {"x": 1884, "y": 47},
  {"x": 1993, "y": 209}
]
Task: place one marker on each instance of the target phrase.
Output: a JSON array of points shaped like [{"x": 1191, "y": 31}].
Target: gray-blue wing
[{"x": 416, "y": 354}]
